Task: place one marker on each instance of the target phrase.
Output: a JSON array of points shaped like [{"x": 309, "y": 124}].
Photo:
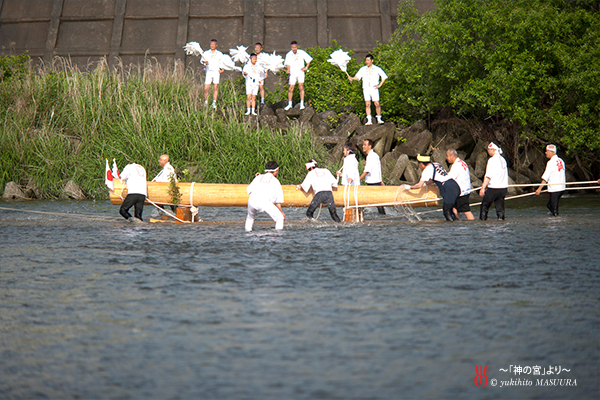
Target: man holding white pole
[{"x": 555, "y": 177}]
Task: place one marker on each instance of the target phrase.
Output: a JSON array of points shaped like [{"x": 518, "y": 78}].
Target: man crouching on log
[
  {"x": 322, "y": 182},
  {"x": 266, "y": 195}
]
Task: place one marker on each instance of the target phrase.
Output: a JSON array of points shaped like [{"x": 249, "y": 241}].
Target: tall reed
[{"x": 60, "y": 123}]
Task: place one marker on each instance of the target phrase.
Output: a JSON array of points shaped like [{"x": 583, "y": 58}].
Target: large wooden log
[{"x": 232, "y": 195}]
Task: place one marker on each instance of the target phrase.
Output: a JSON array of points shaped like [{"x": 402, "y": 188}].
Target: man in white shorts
[
  {"x": 212, "y": 59},
  {"x": 255, "y": 76},
  {"x": 370, "y": 75},
  {"x": 258, "y": 47},
  {"x": 294, "y": 64},
  {"x": 266, "y": 195}
]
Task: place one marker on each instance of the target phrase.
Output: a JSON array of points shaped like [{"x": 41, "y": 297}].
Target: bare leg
[
  {"x": 206, "y": 89},
  {"x": 368, "y": 107},
  {"x": 215, "y": 91},
  {"x": 291, "y": 92},
  {"x": 377, "y": 108},
  {"x": 301, "y": 87}
]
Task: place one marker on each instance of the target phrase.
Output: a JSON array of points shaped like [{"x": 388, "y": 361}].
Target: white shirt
[
  {"x": 497, "y": 171},
  {"x": 321, "y": 180},
  {"x": 441, "y": 175},
  {"x": 213, "y": 59},
  {"x": 165, "y": 174},
  {"x": 255, "y": 72},
  {"x": 555, "y": 173},
  {"x": 373, "y": 168},
  {"x": 265, "y": 187},
  {"x": 460, "y": 173},
  {"x": 296, "y": 61},
  {"x": 350, "y": 170},
  {"x": 370, "y": 76},
  {"x": 134, "y": 176}
]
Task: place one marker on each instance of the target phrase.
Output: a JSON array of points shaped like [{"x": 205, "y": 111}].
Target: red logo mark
[
  {"x": 560, "y": 165},
  {"x": 480, "y": 371}
]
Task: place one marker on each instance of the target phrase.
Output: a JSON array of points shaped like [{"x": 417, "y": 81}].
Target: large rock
[
  {"x": 417, "y": 144},
  {"x": 513, "y": 190},
  {"x": 292, "y": 112},
  {"x": 72, "y": 191},
  {"x": 517, "y": 177},
  {"x": 12, "y": 191},
  {"x": 348, "y": 126},
  {"x": 32, "y": 191},
  {"x": 376, "y": 132},
  {"x": 480, "y": 164},
  {"x": 269, "y": 121},
  {"x": 264, "y": 109},
  {"x": 399, "y": 167},
  {"x": 281, "y": 116},
  {"x": 439, "y": 156},
  {"x": 412, "y": 173},
  {"x": 387, "y": 164},
  {"x": 320, "y": 129},
  {"x": 330, "y": 117},
  {"x": 306, "y": 115}
]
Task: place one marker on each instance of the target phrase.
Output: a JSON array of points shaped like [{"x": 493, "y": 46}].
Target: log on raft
[{"x": 234, "y": 195}]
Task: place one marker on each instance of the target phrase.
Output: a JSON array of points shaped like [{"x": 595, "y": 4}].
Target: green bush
[{"x": 532, "y": 62}]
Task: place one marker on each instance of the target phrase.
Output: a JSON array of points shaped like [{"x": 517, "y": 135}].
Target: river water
[{"x": 93, "y": 307}]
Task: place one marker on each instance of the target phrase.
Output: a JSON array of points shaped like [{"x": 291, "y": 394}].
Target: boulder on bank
[
  {"x": 12, "y": 191},
  {"x": 72, "y": 191},
  {"x": 416, "y": 144}
]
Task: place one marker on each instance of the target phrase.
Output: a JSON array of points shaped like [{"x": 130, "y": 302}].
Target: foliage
[
  {"x": 533, "y": 62},
  {"x": 60, "y": 124},
  {"x": 14, "y": 67}
]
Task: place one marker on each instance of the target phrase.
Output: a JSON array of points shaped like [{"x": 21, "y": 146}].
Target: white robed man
[
  {"x": 260, "y": 56},
  {"x": 372, "y": 172},
  {"x": 134, "y": 176},
  {"x": 294, "y": 64},
  {"x": 255, "y": 76},
  {"x": 322, "y": 182},
  {"x": 433, "y": 172},
  {"x": 349, "y": 171},
  {"x": 370, "y": 75},
  {"x": 266, "y": 195},
  {"x": 212, "y": 59},
  {"x": 555, "y": 176},
  {"x": 495, "y": 183},
  {"x": 459, "y": 171},
  {"x": 166, "y": 174}
]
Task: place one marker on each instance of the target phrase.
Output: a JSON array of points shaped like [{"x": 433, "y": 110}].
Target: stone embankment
[
  {"x": 29, "y": 191},
  {"x": 398, "y": 146}
]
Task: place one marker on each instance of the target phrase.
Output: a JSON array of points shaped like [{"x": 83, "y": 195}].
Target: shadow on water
[{"x": 94, "y": 307}]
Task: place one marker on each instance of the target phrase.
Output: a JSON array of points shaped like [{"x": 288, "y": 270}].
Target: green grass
[{"x": 61, "y": 123}]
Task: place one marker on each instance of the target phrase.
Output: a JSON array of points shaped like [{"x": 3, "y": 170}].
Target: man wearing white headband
[
  {"x": 555, "y": 177},
  {"x": 495, "y": 183},
  {"x": 435, "y": 173},
  {"x": 266, "y": 195},
  {"x": 322, "y": 182},
  {"x": 459, "y": 171}
]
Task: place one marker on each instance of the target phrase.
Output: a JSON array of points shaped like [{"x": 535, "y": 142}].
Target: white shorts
[
  {"x": 296, "y": 77},
  {"x": 254, "y": 207},
  {"x": 371, "y": 93},
  {"x": 252, "y": 89},
  {"x": 212, "y": 77}
]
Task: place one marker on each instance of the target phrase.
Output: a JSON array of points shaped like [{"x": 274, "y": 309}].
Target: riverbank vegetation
[{"x": 530, "y": 66}]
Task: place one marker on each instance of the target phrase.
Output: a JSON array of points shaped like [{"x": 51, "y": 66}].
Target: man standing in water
[
  {"x": 134, "y": 176},
  {"x": 322, "y": 182},
  {"x": 212, "y": 59},
  {"x": 556, "y": 177},
  {"x": 349, "y": 172},
  {"x": 495, "y": 183},
  {"x": 449, "y": 189},
  {"x": 266, "y": 195},
  {"x": 372, "y": 171},
  {"x": 294, "y": 64},
  {"x": 166, "y": 174},
  {"x": 459, "y": 171},
  {"x": 370, "y": 75}
]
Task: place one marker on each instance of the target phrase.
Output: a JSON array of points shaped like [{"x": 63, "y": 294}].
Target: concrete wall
[{"x": 86, "y": 30}]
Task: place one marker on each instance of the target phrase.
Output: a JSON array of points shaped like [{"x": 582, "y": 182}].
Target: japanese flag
[
  {"x": 115, "y": 170},
  {"x": 108, "y": 178}
]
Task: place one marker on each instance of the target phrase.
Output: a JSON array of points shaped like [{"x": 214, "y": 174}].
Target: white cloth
[
  {"x": 441, "y": 175},
  {"x": 555, "y": 173},
  {"x": 497, "y": 171},
  {"x": 264, "y": 191},
  {"x": 296, "y": 61},
  {"x": 373, "y": 168},
  {"x": 134, "y": 176},
  {"x": 213, "y": 60},
  {"x": 459, "y": 171},
  {"x": 266, "y": 187},
  {"x": 321, "y": 180},
  {"x": 350, "y": 170},
  {"x": 165, "y": 174},
  {"x": 370, "y": 76}
]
